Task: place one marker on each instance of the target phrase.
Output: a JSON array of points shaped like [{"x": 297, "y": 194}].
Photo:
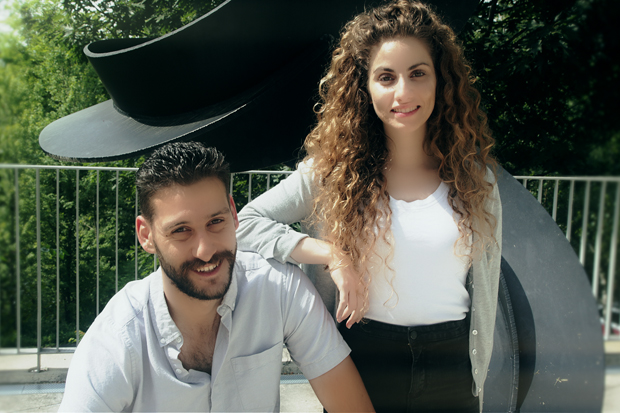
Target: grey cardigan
[{"x": 264, "y": 228}]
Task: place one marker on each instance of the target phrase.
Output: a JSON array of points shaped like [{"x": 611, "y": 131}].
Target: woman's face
[{"x": 401, "y": 82}]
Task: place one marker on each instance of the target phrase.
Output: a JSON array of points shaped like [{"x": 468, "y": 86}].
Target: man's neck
[
  {"x": 187, "y": 312},
  {"x": 198, "y": 322}
]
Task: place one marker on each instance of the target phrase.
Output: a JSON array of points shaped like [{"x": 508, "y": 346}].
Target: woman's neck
[
  {"x": 406, "y": 151},
  {"x": 411, "y": 173}
]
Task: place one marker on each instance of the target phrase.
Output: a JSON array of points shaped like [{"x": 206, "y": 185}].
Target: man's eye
[
  {"x": 216, "y": 221},
  {"x": 180, "y": 230}
]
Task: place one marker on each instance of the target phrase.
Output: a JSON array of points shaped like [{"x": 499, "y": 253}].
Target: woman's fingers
[
  {"x": 355, "y": 305},
  {"x": 343, "y": 307},
  {"x": 351, "y": 303}
]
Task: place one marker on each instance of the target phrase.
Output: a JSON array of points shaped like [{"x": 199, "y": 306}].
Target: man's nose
[{"x": 205, "y": 246}]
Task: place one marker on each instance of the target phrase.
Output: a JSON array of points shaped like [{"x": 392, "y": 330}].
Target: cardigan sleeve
[{"x": 264, "y": 223}]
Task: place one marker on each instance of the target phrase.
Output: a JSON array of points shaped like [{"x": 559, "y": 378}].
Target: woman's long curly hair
[{"x": 348, "y": 145}]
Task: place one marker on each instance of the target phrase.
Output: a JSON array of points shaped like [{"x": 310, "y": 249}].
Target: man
[{"x": 205, "y": 331}]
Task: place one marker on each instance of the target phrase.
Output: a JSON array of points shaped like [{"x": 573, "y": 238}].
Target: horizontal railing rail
[{"x": 68, "y": 244}]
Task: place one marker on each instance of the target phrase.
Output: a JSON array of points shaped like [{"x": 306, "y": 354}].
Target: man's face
[{"x": 193, "y": 234}]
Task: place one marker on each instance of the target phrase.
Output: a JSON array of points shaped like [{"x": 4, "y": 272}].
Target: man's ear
[
  {"x": 233, "y": 210},
  {"x": 145, "y": 235}
]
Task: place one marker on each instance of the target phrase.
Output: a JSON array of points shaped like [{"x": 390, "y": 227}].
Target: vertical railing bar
[
  {"x": 232, "y": 180},
  {"x": 540, "y": 190},
  {"x": 77, "y": 257},
  {"x": 525, "y": 183},
  {"x": 18, "y": 282},
  {"x": 613, "y": 249},
  {"x": 599, "y": 240},
  {"x": 116, "y": 238},
  {"x": 39, "y": 304},
  {"x": 555, "y": 200},
  {"x": 1, "y": 306},
  {"x": 97, "y": 242},
  {"x": 569, "y": 220},
  {"x": 584, "y": 225},
  {"x": 268, "y": 181},
  {"x": 57, "y": 259},
  {"x": 135, "y": 235},
  {"x": 249, "y": 187}
]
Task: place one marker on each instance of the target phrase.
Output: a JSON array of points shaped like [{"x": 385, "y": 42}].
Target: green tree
[
  {"x": 45, "y": 76},
  {"x": 549, "y": 75}
]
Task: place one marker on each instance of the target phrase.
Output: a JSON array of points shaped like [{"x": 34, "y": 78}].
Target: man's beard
[{"x": 180, "y": 277}]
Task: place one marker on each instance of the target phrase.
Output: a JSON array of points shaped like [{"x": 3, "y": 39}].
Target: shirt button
[
  {"x": 473, "y": 309},
  {"x": 475, "y": 371},
  {"x": 178, "y": 340},
  {"x": 475, "y": 332},
  {"x": 178, "y": 371},
  {"x": 474, "y": 352},
  {"x": 162, "y": 341},
  {"x": 413, "y": 335}
]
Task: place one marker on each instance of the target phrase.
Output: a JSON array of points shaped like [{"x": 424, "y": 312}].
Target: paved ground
[{"x": 294, "y": 398}]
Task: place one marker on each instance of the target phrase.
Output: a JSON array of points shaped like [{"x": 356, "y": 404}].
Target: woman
[{"x": 400, "y": 209}]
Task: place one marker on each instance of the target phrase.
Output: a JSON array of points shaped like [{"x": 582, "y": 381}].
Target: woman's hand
[{"x": 347, "y": 281}]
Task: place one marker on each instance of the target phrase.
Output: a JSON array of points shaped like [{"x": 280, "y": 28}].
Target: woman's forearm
[{"x": 312, "y": 251}]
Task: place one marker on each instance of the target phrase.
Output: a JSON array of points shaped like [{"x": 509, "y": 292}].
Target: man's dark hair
[{"x": 180, "y": 163}]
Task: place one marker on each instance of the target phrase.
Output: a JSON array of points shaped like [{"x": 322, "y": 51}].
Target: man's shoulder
[
  {"x": 253, "y": 263},
  {"x": 253, "y": 268},
  {"x": 129, "y": 303}
]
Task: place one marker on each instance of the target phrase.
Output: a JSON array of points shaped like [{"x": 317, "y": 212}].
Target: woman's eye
[
  {"x": 385, "y": 78},
  {"x": 417, "y": 73}
]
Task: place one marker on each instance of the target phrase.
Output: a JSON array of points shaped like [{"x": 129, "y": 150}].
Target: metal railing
[
  {"x": 597, "y": 250},
  {"x": 62, "y": 256}
]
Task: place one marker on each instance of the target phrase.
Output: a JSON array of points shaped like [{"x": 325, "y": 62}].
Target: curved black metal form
[{"x": 546, "y": 303}]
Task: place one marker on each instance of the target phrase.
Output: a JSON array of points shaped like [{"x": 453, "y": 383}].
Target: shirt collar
[
  {"x": 167, "y": 330},
  {"x": 230, "y": 298}
]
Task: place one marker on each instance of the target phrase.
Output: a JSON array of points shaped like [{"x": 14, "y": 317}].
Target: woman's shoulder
[
  {"x": 491, "y": 174},
  {"x": 305, "y": 165}
]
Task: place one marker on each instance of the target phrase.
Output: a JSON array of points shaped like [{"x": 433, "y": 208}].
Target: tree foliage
[
  {"x": 549, "y": 74},
  {"x": 43, "y": 77}
]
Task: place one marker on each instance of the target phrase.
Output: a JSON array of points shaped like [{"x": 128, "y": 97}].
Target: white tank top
[{"x": 422, "y": 264}]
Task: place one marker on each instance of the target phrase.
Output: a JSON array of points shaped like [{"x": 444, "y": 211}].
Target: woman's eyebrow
[{"x": 387, "y": 69}]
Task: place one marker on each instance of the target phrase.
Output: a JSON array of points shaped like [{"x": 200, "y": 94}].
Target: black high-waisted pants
[{"x": 414, "y": 369}]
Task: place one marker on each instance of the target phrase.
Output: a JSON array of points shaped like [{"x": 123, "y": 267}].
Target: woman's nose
[{"x": 402, "y": 89}]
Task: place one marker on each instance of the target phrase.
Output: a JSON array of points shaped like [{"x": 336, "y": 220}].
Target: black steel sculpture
[{"x": 548, "y": 352}]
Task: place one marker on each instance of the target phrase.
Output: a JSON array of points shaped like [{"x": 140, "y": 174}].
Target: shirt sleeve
[
  {"x": 310, "y": 333},
  {"x": 100, "y": 374},
  {"x": 264, "y": 223}
]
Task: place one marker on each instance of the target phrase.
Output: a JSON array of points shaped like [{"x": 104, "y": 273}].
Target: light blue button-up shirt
[{"x": 128, "y": 359}]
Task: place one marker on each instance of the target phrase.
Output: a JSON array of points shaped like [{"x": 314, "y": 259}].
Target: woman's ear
[{"x": 145, "y": 235}]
